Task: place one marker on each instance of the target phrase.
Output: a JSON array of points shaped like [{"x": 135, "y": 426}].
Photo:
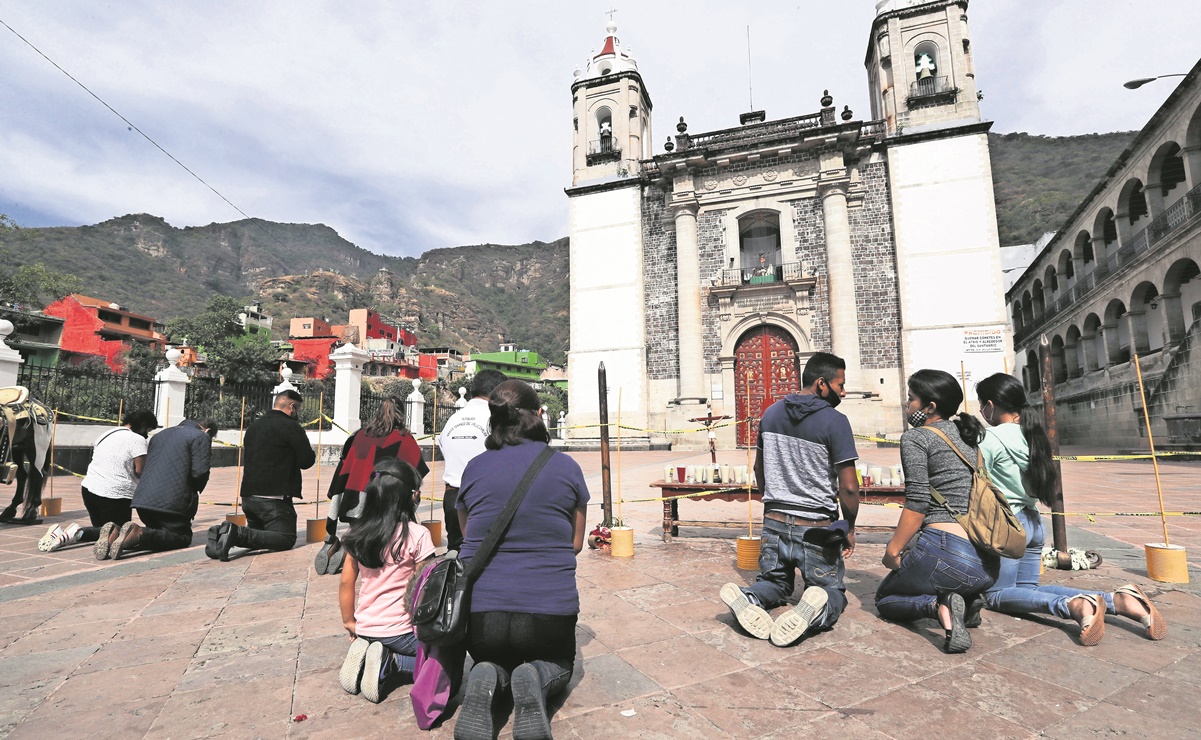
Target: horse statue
[{"x": 25, "y": 429}]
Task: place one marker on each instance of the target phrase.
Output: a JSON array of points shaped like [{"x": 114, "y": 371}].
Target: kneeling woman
[
  {"x": 942, "y": 572},
  {"x": 525, "y": 604}
]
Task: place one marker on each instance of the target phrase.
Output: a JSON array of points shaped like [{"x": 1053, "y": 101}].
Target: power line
[{"x": 132, "y": 126}]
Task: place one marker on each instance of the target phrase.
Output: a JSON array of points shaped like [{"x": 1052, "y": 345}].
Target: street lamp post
[{"x": 1136, "y": 84}]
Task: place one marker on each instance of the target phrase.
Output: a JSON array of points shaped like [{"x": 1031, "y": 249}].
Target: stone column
[
  {"x": 1113, "y": 344},
  {"x": 415, "y": 410},
  {"x": 10, "y": 359},
  {"x": 1090, "y": 352},
  {"x": 1071, "y": 359},
  {"x": 348, "y": 385},
  {"x": 688, "y": 283},
  {"x": 840, "y": 278},
  {"x": 1154, "y": 194},
  {"x": 1136, "y": 328},
  {"x": 1174, "y": 323},
  {"x": 170, "y": 391},
  {"x": 1192, "y": 166}
]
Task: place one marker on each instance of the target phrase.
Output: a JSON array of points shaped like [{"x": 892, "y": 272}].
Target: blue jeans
[
  {"x": 783, "y": 552},
  {"x": 1017, "y": 591},
  {"x": 403, "y": 649},
  {"x": 939, "y": 563}
]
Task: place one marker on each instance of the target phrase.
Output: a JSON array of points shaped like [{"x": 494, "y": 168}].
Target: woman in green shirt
[{"x": 1017, "y": 455}]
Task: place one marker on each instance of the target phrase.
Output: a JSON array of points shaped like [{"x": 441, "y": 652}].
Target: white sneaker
[
  {"x": 754, "y": 619},
  {"x": 793, "y": 624}
]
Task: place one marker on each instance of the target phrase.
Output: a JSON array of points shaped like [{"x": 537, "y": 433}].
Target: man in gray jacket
[{"x": 168, "y": 493}]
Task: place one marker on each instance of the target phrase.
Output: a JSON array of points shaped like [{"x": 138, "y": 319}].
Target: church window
[
  {"x": 759, "y": 245},
  {"x": 927, "y": 71},
  {"x": 604, "y": 128}
]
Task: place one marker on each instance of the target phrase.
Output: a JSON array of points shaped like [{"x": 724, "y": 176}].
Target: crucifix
[
  {"x": 610, "y": 13},
  {"x": 709, "y": 420}
]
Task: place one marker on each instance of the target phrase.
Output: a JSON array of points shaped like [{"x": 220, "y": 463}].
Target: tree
[
  {"x": 228, "y": 349},
  {"x": 34, "y": 285}
]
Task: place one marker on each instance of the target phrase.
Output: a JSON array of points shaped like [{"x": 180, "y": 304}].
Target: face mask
[
  {"x": 916, "y": 419},
  {"x": 831, "y": 397},
  {"x": 987, "y": 417}
]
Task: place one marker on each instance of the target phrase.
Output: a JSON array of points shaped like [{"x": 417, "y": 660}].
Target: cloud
[{"x": 411, "y": 126}]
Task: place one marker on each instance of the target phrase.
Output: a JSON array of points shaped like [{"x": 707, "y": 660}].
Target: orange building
[{"x": 99, "y": 328}]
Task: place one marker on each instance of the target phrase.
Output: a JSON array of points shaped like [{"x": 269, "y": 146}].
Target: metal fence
[{"x": 96, "y": 393}]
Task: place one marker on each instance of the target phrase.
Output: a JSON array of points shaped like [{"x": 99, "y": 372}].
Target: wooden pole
[
  {"x": 750, "y": 509},
  {"x": 1154, "y": 460},
  {"x": 120, "y": 411},
  {"x": 606, "y": 489},
  {"x": 320, "y": 424},
  {"x": 433, "y": 451},
  {"x": 619, "y": 497},
  {"x": 963, "y": 380},
  {"x": 1059, "y": 525},
  {"x": 53, "y": 434},
  {"x": 241, "y": 443}
]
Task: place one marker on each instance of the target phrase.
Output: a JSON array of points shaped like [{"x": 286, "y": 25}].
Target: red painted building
[
  {"x": 314, "y": 352},
  {"x": 97, "y": 328}
]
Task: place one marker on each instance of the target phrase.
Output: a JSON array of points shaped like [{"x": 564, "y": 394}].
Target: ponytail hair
[
  {"x": 941, "y": 389},
  {"x": 515, "y": 416},
  {"x": 388, "y": 501},
  {"x": 1007, "y": 395}
]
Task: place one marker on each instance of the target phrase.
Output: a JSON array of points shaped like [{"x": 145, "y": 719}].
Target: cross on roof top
[{"x": 610, "y": 13}]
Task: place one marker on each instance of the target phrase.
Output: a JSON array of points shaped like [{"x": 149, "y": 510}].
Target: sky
[{"x": 409, "y": 126}]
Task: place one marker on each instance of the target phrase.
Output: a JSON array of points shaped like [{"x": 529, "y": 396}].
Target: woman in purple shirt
[{"x": 525, "y": 603}]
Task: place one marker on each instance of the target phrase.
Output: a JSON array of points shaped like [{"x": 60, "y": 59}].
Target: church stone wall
[
  {"x": 810, "y": 229},
  {"x": 875, "y": 259},
  {"x": 711, "y": 241},
  {"x": 659, "y": 264}
]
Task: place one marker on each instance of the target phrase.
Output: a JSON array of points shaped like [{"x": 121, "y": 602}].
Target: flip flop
[
  {"x": 1093, "y": 630},
  {"x": 1157, "y": 626}
]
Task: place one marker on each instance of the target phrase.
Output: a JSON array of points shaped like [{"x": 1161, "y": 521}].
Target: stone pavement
[{"x": 175, "y": 645}]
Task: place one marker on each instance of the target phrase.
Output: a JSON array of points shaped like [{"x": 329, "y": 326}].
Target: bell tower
[
  {"x": 919, "y": 65},
  {"x": 611, "y": 114}
]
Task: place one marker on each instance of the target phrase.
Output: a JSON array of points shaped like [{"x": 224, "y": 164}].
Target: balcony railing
[
  {"x": 1181, "y": 212},
  {"x": 604, "y": 149},
  {"x": 931, "y": 87},
  {"x": 761, "y": 275}
]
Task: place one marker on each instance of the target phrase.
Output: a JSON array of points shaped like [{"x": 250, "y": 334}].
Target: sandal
[
  {"x": 1157, "y": 626},
  {"x": 1092, "y": 629}
]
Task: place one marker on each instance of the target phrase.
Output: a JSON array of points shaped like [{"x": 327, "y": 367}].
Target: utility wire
[{"x": 145, "y": 136}]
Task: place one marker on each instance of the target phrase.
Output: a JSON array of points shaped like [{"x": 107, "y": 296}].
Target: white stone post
[
  {"x": 415, "y": 405},
  {"x": 562, "y": 429},
  {"x": 348, "y": 385},
  {"x": 170, "y": 391},
  {"x": 840, "y": 279},
  {"x": 462, "y": 398},
  {"x": 10, "y": 359},
  {"x": 285, "y": 382}
]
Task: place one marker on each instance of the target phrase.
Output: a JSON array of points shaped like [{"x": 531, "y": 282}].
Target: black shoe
[
  {"x": 329, "y": 555},
  {"x": 475, "y": 720},
  {"x": 971, "y": 614},
  {"x": 958, "y": 638},
  {"x": 220, "y": 538},
  {"x": 529, "y": 706}
]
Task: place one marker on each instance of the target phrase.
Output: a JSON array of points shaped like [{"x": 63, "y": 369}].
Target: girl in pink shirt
[{"x": 384, "y": 546}]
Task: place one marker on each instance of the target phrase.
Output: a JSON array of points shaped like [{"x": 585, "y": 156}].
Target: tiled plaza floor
[{"x": 177, "y": 646}]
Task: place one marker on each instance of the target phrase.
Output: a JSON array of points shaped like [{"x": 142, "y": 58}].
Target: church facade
[{"x": 707, "y": 273}]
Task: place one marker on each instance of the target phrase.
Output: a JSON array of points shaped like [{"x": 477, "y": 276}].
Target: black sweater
[{"x": 275, "y": 450}]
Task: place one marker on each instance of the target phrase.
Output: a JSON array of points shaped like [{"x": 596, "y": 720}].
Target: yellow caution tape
[
  {"x": 89, "y": 418},
  {"x": 869, "y": 438},
  {"x": 1107, "y": 458},
  {"x": 65, "y": 470}
]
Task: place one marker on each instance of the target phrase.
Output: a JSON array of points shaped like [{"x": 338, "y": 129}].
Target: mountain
[
  {"x": 1039, "y": 180},
  {"x": 466, "y": 297}
]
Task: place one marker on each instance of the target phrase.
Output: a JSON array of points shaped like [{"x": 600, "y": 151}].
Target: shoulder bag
[
  {"x": 989, "y": 522},
  {"x": 443, "y": 605}
]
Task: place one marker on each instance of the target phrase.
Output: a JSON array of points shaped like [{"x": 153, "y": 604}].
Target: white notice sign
[{"x": 983, "y": 341}]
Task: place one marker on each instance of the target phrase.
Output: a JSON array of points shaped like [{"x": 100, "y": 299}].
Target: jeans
[
  {"x": 509, "y": 639},
  {"x": 271, "y": 524},
  {"x": 102, "y": 510},
  {"x": 1017, "y": 590},
  {"x": 939, "y": 563},
  {"x": 403, "y": 649},
  {"x": 454, "y": 535},
  {"x": 784, "y": 551},
  {"x": 161, "y": 532}
]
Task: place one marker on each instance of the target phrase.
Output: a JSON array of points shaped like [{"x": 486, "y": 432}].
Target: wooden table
[{"x": 673, "y": 492}]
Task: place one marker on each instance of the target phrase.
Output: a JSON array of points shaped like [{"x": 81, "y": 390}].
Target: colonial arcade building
[
  {"x": 1119, "y": 279},
  {"x": 705, "y": 272}
]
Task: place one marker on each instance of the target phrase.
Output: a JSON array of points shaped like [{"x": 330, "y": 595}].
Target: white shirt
[
  {"x": 110, "y": 474},
  {"x": 463, "y": 438}
]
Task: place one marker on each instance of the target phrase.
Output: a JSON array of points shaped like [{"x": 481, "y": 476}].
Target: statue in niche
[{"x": 925, "y": 66}]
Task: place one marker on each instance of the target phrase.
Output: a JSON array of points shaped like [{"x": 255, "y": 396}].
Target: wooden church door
[{"x": 765, "y": 370}]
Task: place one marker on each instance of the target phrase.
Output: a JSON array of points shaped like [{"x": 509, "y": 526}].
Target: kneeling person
[
  {"x": 805, "y": 467},
  {"x": 275, "y": 450}
]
